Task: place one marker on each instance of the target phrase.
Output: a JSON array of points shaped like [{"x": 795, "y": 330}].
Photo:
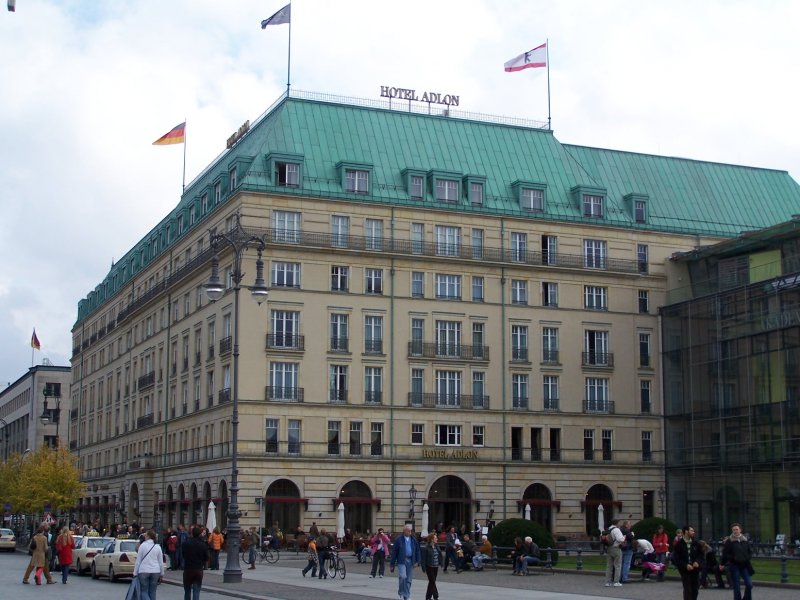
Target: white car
[
  {"x": 83, "y": 555},
  {"x": 116, "y": 560},
  {"x": 8, "y": 541}
]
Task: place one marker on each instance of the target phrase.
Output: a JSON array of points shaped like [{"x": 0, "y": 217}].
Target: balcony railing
[
  {"x": 225, "y": 395},
  {"x": 373, "y": 397},
  {"x": 454, "y": 401},
  {"x": 597, "y": 359},
  {"x": 454, "y": 351},
  {"x": 285, "y": 341},
  {"x": 340, "y": 344},
  {"x": 225, "y": 345},
  {"x": 144, "y": 421},
  {"x": 145, "y": 381},
  {"x": 520, "y": 354},
  {"x": 598, "y": 406},
  {"x": 372, "y": 346},
  {"x": 550, "y": 357},
  {"x": 644, "y": 360},
  {"x": 210, "y": 352},
  {"x": 285, "y": 394},
  {"x": 519, "y": 403},
  {"x": 337, "y": 396}
]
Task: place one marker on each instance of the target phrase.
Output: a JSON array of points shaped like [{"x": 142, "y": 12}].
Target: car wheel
[
  {"x": 94, "y": 571},
  {"x": 78, "y": 567},
  {"x": 111, "y": 574}
]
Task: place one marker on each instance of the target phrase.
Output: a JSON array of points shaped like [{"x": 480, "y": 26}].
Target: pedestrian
[
  {"x": 614, "y": 555},
  {"x": 313, "y": 558},
  {"x": 686, "y": 557},
  {"x": 405, "y": 555},
  {"x": 736, "y": 556},
  {"x": 149, "y": 566},
  {"x": 195, "y": 556},
  {"x": 528, "y": 556},
  {"x": 182, "y": 537},
  {"x": 313, "y": 531},
  {"x": 379, "y": 545},
  {"x": 450, "y": 548},
  {"x": 254, "y": 543},
  {"x": 215, "y": 545},
  {"x": 64, "y": 546},
  {"x": 172, "y": 549},
  {"x": 431, "y": 558},
  {"x": 323, "y": 545},
  {"x": 627, "y": 547},
  {"x": 709, "y": 565},
  {"x": 38, "y": 559},
  {"x": 661, "y": 546}
]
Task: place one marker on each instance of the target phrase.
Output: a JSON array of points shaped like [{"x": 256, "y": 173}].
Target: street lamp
[
  {"x": 47, "y": 417},
  {"x": 239, "y": 240},
  {"x": 412, "y": 497},
  {"x": 661, "y": 495}
]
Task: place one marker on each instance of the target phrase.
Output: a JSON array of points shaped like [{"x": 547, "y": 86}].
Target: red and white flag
[{"x": 532, "y": 59}]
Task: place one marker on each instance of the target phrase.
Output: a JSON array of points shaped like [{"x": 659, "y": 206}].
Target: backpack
[{"x": 605, "y": 539}]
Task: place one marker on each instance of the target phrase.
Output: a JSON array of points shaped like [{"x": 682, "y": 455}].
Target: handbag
[{"x": 32, "y": 545}]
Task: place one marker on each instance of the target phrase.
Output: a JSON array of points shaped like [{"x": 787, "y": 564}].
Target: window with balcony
[
  {"x": 606, "y": 440},
  {"x": 549, "y": 250},
  {"x": 647, "y": 446},
  {"x": 337, "y": 384},
  {"x": 376, "y": 439},
  {"x": 417, "y": 386},
  {"x": 479, "y": 398},
  {"x": 334, "y": 438},
  {"x": 477, "y": 243},
  {"x": 355, "y": 438},
  {"x": 642, "y": 253},
  {"x": 417, "y": 336},
  {"x": 448, "y": 338},
  {"x": 417, "y": 238},
  {"x": 550, "y": 345},
  {"x": 373, "y": 234},
  {"x": 339, "y": 332},
  {"x": 594, "y": 254},
  {"x": 645, "y": 402},
  {"x": 293, "y": 437},
  {"x": 272, "y": 436},
  {"x": 286, "y": 226},
  {"x": 478, "y": 340},
  {"x": 283, "y": 378},
  {"x": 555, "y": 444},
  {"x": 597, "y": 397},
  {"x": 550, "y": 392},
  {"x": 595, "y": 348},
  {"x": 448, "y": 240},
  {"x": 373, "y": 385},
  {"x": 519, "y": 246},
  {"x": 340, "y": 231},
  {"x": 373, "y": 334},
  {"x": 644, "y": 350},
  {"x": 588, "y": 444},
  {"x": 285, "y": 328},
  {"x": 519, "y": 342},
  {"x": 448, "y": 388},
  {"x": 519, "y": 390}
]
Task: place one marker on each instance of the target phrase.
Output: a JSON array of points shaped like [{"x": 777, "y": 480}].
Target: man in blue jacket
[{"x": 406, "y": 555}]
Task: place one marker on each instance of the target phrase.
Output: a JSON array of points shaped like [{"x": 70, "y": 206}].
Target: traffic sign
[{"x": 48, "y": 519}]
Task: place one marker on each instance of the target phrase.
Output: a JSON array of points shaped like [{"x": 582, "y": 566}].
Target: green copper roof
[{"x": 680, "y": 195}]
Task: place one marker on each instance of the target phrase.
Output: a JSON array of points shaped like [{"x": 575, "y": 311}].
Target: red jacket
[
  {"x": 661, "y": 542},
  {"x": 64, "y": 551}
]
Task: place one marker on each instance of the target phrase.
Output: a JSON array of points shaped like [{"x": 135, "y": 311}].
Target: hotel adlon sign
[{"x": 388, "y": 91}]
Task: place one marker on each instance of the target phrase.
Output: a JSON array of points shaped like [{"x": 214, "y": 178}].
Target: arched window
[
  {"x": 598, "y": 495},
  {"x": 538, "y": 496},
  {"x": 450, "y": 504},
  {"x": 282, "y": 504}
]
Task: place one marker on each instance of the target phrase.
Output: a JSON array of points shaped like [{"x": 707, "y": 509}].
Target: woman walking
[
  {"x": 64, "y": 546},
  {"x": 215, "y": 544},
  {"x": 38, "y": 559},
  {"x": 149, "y": 567},
  {"x": 431, "y": 559}
]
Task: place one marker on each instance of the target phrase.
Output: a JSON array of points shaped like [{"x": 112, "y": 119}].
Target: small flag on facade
[
  {"x": 176, "y": 136},
  {"x": 532, "y": 59},
  {"x": 35, "y": 341},
  {"x": 284, "y": 15}
]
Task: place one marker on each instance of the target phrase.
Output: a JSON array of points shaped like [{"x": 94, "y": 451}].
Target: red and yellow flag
[
  {"x": 35, "y": 341},
  {"x": 176, "y": 136}
]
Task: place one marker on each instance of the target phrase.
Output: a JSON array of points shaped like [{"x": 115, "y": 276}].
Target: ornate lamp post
[
  {"x": 412, "y": 498},
  {"x": 238, "y": 239}
]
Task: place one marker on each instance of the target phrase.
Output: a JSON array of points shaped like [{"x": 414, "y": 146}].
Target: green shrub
[
  {"x": 645, "y": 528},
  {"x": 504, "y": 532}
]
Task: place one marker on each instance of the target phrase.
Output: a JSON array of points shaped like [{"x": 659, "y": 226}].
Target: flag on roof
[
  {"x": 176, "y": 136},
  {"x": 35, "y": 341},
  {"x": 531, "y": 59},
  {"x": 284, "y": 15}
]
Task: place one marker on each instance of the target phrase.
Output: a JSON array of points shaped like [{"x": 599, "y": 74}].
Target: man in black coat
[
  {"x": 687, "y": 556},
  {"x": 195, "y": 558}
]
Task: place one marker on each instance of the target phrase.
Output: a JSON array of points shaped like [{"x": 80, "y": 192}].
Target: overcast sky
[{"x": 86, "y": 86}]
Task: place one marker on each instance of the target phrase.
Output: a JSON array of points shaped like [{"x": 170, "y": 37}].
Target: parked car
[
  {"x": 116, "y": 560},
  {"x": 8, "y": 541},
  {"x": 83, "y": 555}
]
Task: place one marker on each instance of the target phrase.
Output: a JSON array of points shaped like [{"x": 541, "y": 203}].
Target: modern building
[
  {"x": 31, "y": 410},
  {"x": 732, "y": 385},
  {"x": 463, "y": 315}
]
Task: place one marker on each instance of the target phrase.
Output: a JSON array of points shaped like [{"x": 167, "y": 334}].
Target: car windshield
[
  {"x": 6, "y": 532},
  {"x": 96, "y": 542},
  {"x": 129, "y": 546}
]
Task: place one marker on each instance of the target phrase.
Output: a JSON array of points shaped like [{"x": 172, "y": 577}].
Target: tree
[{"x": 46, "y": 476}]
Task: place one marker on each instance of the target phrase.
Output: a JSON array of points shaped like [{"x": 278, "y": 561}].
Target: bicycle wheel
[
  {"x": 341, "y": 568},
  {"x": 330, "y": 566},
  {"x": 262, "y": 555},
  {"x": 273, "y": 556},
  {"x": 245, "y": 556}
]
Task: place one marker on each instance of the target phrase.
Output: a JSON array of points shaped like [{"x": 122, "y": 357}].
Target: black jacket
[
  {"x": 426, "y": 555},
  {"x": 195, "y": 554},
  {"x": 684, "y": 554},
  {"x": 736, "y": 552}
]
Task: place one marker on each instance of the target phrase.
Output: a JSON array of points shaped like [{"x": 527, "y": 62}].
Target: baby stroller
[{"x": 649, "y": 566}]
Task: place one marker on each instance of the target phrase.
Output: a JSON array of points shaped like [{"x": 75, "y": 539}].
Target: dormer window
[
  {"x": 592, "y": 206},
  {"x": 532, "y": 200},
  {"x": 447, "y": 190},
  {"x": 217, "y": 192},
  {"x": 287, "y": 174},
  {"x": 204, "y": 203},
  {"x": 416, "y": 187},
  {"x": 476, "y": 194},
  {"x": 233, "y": 182},
  {"x": 356, "y": 181},
  {"x": 640, "y": 211}
]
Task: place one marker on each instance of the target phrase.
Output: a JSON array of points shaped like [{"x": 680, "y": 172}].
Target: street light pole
[{"x": 238, "y": 239}]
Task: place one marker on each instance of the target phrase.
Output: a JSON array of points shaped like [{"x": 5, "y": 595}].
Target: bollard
[
  {"x": 579, "y": 563},
  {"x": 784, "y": 568}
]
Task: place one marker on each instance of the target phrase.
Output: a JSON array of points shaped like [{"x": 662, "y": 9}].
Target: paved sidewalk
[{"x": 284, "y": 581}]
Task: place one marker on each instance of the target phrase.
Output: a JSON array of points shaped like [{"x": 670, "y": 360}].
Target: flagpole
[
  {"x": 547, "y": 49},
  {"x": 289, "y": 64},
  {"x": 183, "y": 183}
]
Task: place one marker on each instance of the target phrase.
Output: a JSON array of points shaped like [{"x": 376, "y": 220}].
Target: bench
[{"x": 545, "y": 564}]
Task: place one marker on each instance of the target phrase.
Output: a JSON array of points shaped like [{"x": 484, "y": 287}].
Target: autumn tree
[{"x": 48, "y": 476}]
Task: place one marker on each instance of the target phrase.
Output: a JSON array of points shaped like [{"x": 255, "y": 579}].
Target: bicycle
[
  {"x": 334, "y": 564},
  {"x": 263, "y": 554}
]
